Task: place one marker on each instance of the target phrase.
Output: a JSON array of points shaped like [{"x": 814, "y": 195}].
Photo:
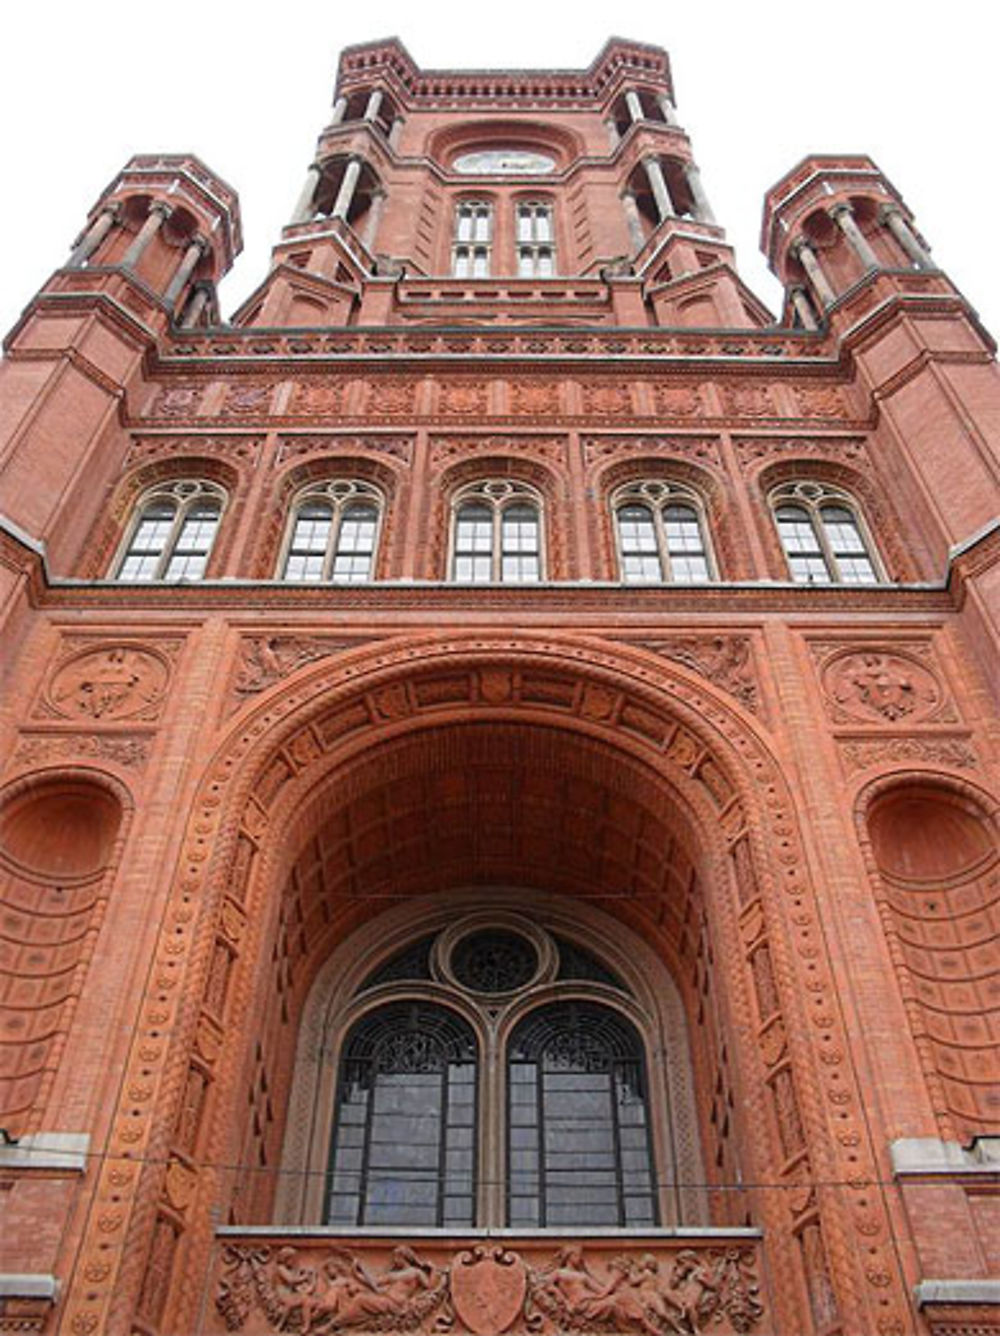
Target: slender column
[
  {"x": 809, "y": 262},
  {"x": 668, "y": 109},
  {"x": 158, "y": 215},
  {"x": 374, "y": 102},
  {"x": 633, "y": 220},
  {"x": 659, "y": 187},
  {"x": 843, "y": 216},
  {"x": 702, "y": 208},
  {"x": 339, "y": 110},
  {"x": 93, "y": 236},
  {"x": 374, "y": 219},
  {"x": 196, "y": 249},
  {"x": 901, "y": 230},
  {"x": 306, "y": 204},
  {"x": 348, "y": 184},
  {"x": 395, "y": 129},
  {"x": 614, "y": 138},
  {"x": 634, "y": 104},
  {"x": 802, "y": 304},
  {"x": 195, "y": 307}
]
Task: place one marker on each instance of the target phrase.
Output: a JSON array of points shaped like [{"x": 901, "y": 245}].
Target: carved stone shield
[{"x": 487, "y": 1289}]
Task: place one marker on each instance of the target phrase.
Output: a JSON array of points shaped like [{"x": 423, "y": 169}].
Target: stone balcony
[{"x": 658, "y": 1282}]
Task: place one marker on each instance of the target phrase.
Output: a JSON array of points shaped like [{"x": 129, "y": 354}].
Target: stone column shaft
[
  {"x": 634, "y": 104},
  {"x": 339, "y": 110},
  {"x": 800, "y": 300},
  {"x": 348, "y": 185},
  {"x": 843, "y": 216},
  {"x": 814, "y": 272},
  {"x": 394, "y": 131},
  {"x": 374, "y": 103},
  {"x": 197, "y": 304},
  {"x": 93, "y": 237},
  {"x": 668, "y": 109},
  {"x": 658, "y": 185},
  {"x": 374, "y": 219},
  {"x": 196, "y": 249},
  {"x": 305, "y": 205},
  {"x": 702, "y": 208},
  {"x": 633, "y": 221},
  {"x": 903, "y": 233},
  {"x": 614, "y": 138},
  {"x": 158, "y": 215}
]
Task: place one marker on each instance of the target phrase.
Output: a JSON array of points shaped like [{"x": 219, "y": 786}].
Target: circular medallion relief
[
  {"x": 503, "y": 162},
  {"x": 494, "y": 960}
]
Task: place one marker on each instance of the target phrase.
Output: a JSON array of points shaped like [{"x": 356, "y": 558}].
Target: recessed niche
[
  {"x": 922, "y": 833},
  {"x": 60, "y": 830}
]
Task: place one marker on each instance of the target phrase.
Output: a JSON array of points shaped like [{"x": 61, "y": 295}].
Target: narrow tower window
[
  {"x": 473, "y": 235},
  {"x": 536, "y": 256}
]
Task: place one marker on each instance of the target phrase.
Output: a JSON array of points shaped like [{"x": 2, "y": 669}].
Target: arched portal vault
[{"x": 580, "y": 769}]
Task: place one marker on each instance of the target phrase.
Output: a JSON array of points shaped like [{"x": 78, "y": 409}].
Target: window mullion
[
  {"x": 173, "y": 538},
  {"x": 662, "y": 545},
  {"x": 333, "y": 542},
  {"x": 823, "y": 544}
]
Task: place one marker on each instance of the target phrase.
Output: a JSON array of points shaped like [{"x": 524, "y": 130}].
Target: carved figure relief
[
  {"x": 749, "y": 401},
  {"x": 607, "y": 400},
  {"x": 462, "y": 398},
  {"x": 534, "y": 397},
  {"x": 488, "y": 1290},
  {"x": 109, "y": 682},
  {"x": 683, "y": 401},
  {"x": 319, "y": 398},
  {"x": 723, "y": 659},
  {"x": 880, "y": 685},
  {"x": 264, "y": 660},
  {"x": 824, "y": 401},
  {"x": 177, "y": 401},
  {"x": 247, "y": 400}
]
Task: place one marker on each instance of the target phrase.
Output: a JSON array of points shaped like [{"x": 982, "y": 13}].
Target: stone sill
[
  {"x": 46, "y": 1153},
  {"x": 706, "y": 1233}
]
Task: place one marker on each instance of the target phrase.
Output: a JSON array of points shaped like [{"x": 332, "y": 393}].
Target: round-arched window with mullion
[
  {"x": 404, "y": 1139},
  {"x": 579, "y": 1151}
]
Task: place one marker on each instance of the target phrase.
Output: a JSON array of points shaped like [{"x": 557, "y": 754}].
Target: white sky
[{"x": 84, "y": 84}]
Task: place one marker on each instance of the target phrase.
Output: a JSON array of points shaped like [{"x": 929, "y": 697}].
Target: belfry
[{"x": 498, "y": 786}]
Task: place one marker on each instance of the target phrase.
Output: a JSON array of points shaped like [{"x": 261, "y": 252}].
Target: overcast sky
[{"x": 247, "y": 87}]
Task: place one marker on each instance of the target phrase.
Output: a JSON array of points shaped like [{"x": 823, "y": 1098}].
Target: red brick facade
[{"x": 503, "y": 566}]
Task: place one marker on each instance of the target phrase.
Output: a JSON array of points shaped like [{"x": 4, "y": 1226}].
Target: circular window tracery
[{"x": 494, "y": 960}]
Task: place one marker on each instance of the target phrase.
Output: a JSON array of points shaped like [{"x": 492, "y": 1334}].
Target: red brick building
[{"x": 499, "y": 822}]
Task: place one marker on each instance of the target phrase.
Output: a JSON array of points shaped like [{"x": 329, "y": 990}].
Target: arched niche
[
  {"x": 60, "y": 838},
  {"x": 937, "y": 850}
]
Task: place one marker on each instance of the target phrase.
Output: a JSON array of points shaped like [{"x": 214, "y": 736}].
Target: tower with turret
[{"x": 498, "y": 756}]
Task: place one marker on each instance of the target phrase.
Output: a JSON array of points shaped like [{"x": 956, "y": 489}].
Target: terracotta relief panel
[
  {"x": 177, "y": 401},
  {"x": 108, "y": 681},
  {"x": 248, "y": 399},
  {"x": 649, "y": 1287},
  {"x": 882, "y": 683},
  {"x": 146, "y": 450},
  {"x": 302, "y": 447}
]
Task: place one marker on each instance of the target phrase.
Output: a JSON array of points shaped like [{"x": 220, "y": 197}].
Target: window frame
[
  {"x": 185, "y": 495},
  {"x": 545, "y": 989},
  {"x": 657, "y": 495},
  {"x": 499, "y": 495},
  {"x": 340, "y": 494},
  {"x": 534, "y": 247},
  {"x": 475, "y": 206},
  {"x": 813, "y": 497}
]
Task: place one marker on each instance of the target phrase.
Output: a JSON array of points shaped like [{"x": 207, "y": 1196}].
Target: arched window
[
  {"x": 536, "y": 250},
  {"x": 473, "y": 238},
  {"x": 172, "y": 533},
  {"x": 823, "y": 535},
  {"x": 434, "y": 1088},
  {"x": 497, "y": 534},
  {"x": 404, "y": 1144},
  {"x": 578, "y": 1122},
  {"x": 661, "y": 534},
  {"x": 333, "y": 533}
]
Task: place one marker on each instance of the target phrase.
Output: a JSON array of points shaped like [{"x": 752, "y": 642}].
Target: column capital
[
  {"x": 801, "y": 244},
  {"x": 841, "y": 208},
  {"x": 162, "y": 208},
  {"x": 890, "y": 210}
]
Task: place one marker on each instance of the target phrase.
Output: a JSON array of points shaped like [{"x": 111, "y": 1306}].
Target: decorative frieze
[{"x": 652, "y": 1287}]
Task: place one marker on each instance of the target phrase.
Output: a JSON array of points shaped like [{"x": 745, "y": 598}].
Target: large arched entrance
[{"x": 432, "y": 772}]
